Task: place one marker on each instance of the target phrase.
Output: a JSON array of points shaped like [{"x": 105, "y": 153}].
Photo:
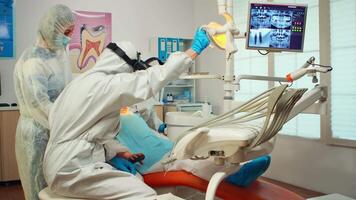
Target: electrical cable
[
  {"x": 267, "y": 52},
  {"x": 320, "y": 65}
]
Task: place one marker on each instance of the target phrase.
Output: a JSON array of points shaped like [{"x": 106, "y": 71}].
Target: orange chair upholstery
[{"x": 259, "y": 190}]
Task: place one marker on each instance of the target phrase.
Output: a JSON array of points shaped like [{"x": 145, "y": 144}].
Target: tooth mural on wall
[
  {"x": 91, "y": 34},
  {"x": 92, "y": 44}
]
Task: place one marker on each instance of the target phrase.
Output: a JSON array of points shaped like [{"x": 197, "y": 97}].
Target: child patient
[{"x": 149, "y": 149}]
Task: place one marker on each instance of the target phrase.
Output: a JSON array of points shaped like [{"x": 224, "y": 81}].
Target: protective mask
[
  {"x": 66, "y": 40},
  {"x": 62, "y": 41}
]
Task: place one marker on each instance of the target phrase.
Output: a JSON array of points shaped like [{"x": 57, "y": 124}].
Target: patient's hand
[{"x": 138, "y": 157}]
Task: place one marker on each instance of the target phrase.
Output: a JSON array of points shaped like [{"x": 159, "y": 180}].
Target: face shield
[{"x": 110, "y": 63}]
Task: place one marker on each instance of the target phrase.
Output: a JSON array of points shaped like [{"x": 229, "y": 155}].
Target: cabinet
[
  {"x": 8, "y": 165},
  {"x": 182, "y": 91},
  {"x": 161, "y": 110}
]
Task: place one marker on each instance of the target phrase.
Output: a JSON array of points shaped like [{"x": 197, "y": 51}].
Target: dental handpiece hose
[{"x": 297, "y": 74}]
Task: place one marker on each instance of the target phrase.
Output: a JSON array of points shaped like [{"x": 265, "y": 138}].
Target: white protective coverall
[
  {"x": 40, "y": 75},
  {"x": 85, "y": 119}
]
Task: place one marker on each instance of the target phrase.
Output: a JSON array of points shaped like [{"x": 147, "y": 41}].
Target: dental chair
[{"x": 240, "y": 135}]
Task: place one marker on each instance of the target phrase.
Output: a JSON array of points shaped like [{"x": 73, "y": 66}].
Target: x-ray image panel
[
  {"x": 260, "y": 18},
  {"x": 280, "y": 38},
  {"x": 259, "y": 38},
  {"x": 281, "y": 18},
  {"x": 279, "y": 27}
]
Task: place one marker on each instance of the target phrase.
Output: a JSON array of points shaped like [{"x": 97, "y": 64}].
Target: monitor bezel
[{"x": 270, "y": 48}]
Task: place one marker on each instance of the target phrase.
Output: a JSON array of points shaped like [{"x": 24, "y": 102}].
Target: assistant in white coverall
[
  {"x": 84, "y": 122},
  {"x": 40, "y": 75}
]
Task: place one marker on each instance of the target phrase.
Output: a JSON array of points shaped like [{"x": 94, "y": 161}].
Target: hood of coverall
[
  {"x": 110, "y": 62},
  {"x": 53, "y": 25}
]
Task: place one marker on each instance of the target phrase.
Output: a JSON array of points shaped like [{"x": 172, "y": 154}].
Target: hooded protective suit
[
  {"x": 85, "y": 120},
  {"x": 40, "y": 75}
]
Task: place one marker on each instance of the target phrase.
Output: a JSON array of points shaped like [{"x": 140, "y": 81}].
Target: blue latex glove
[
  {"x": 249, "y": 172},
  {"x": 201, "y": 41},
  {"x": 123, "y": 165},
  {"x": 162, "y": 127}
]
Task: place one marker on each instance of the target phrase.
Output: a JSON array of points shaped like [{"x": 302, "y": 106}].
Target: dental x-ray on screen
[{"x": 276, "y": 27}]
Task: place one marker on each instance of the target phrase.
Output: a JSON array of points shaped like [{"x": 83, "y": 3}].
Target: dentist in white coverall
[{"x": 84, "y": 121}]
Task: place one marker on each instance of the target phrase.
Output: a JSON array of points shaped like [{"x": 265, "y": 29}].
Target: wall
[
  {"x": 134, "y": 20},
  {"x": 302, "y": 162},
  {"x": 314, "y": 165}
]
